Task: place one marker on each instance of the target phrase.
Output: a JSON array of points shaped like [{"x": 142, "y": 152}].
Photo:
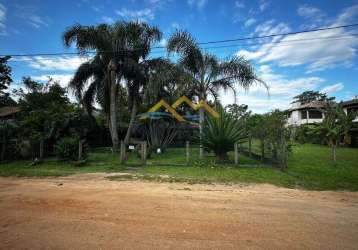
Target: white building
[
  {"x": 306, "y": 113},
  {"x": 310, "y": 113}
]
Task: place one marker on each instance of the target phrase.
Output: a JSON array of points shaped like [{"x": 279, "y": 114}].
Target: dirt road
[{"x": 89, "y": 212}]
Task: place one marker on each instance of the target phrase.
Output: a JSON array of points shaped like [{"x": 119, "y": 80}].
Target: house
[
  {"x": 351, "y": 106},
  {"x": 310, "y": 113},
  {"x": 307, "y": 113},
  {"x": 9, "y": 112}
]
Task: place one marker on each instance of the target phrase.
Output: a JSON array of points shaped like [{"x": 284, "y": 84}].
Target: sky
[{"x": 324, "y": 60}]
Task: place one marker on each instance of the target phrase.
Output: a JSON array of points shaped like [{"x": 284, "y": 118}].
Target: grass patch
[{"x": 309, "y": 167}]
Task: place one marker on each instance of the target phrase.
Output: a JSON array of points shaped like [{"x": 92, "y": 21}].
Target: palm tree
[
  {"x": 209, "y": 74},
  {"x": 119, "y": 48}
]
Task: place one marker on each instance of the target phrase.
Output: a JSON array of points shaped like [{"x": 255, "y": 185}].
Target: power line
[
  {"x": 200, "y": 43},
  {"x": 272, "y": 44}
]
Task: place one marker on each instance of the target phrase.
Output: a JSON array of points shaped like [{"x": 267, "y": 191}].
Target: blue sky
[{"x": 315, "y": 62}]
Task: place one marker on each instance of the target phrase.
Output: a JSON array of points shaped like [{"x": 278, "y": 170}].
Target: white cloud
[
  {"x": 307, "y": 49},
  {"x": 163, "y": 42},
  {"x": 239, "y": 4},
  {"x": 175, "y": 25},
  {"x": 2, "y": 19},
  {"x": 62, "y": 79},
  {"x": 250, "y": 22},
  {"x": 310, "y": 12},
  {"x": 313, "y": 16},
  {"x": 263, "y": 4},
  {"x": 332, "y": 88},
  {"x": 281, "y": 91},
  {"x": 107, "y": 19},
  {"x": 29, "y": 14},
  {"x": 197, "y": 3},
  {"x": 36, "y": 21},
  {"x": 141, "y": 15},
  {"x": 64, "y": 63}
]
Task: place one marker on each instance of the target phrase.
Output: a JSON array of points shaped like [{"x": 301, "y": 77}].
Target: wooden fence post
[
  {"x": 187, "y": 152},
  {"x": 80, "y": 150},
  {"x": 236, "y": 154},
  {"x": 123, "y": 152},
  {"x": 41, "y": 149},
  {"x": 144, "y": 153},
  {"x": 250, "y": 142}
]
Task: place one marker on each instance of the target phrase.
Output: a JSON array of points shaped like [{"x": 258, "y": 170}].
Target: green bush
[
  {"x": 220, "y": 134},
  {"x": 67, "y": 148}
]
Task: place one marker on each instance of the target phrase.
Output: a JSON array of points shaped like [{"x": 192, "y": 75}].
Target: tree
[
  {"x": 208, "y": 73},
  {"x": 8, "y": 130},
  {"x": 44, "y": 108},
  {"x": 119, "y": 49},
  {"x": 5, "y": 81},
  {"x": 336, "y": 123},
  {"x": 238, "y": 111},
  {"x": 310, "y": 96},
  {"x": 220, "y": 134}
]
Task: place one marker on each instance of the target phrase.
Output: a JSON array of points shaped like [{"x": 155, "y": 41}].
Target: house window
[
  {"x": 315, "y": 114},
  {"x": 303, "y": 114}
]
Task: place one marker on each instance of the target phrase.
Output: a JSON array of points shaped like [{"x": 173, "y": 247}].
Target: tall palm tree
[
  {"x": 119, "y": 48},
  {"x": 209, "y": 74}
]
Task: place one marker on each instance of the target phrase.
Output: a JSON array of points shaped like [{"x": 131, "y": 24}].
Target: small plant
[
  {"x": 220, "y": 134},
  {"x": 67, "y": 149}
]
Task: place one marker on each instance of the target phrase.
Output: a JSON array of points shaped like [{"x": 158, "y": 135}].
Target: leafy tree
[
  {"x": 44, "y": 107},
  {"x": 8, "y": 130},
  {"x": 336, "y": 123},
  {"x": 310, "y": 96},
  {"x": 5, "y": 81},
  {"x": 208, "y": 73},
  {"x": 238, "y": 111},
  {"x": 277, "y": 136},
  {"x": 120, "y": 52},
  {"x": 220, "y": 134}
]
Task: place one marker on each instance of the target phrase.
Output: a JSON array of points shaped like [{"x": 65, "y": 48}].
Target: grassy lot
[{"x": 310, "y": 167}]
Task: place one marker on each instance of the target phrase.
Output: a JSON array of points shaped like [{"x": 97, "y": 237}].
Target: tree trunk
[
  {"x": 334, "y": 156},
  {"x": 80, "y": 149},
  {"x": 131, "y": 122},
  {"x": 3, "y": 149},
  {"x": 201, "y": 127},
  {"x": 41, "y": 156},
  {"x": 113, "y": 107},
  {"x": 262, "y": 150},
  {"x": 221, "y": 157},
  {"x": 250, "y": 143}
]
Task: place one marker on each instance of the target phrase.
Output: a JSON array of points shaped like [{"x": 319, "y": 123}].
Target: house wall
[{"x": 296, "y": 119}]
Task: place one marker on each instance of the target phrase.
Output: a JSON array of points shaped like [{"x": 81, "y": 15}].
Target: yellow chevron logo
[{"x": 177, "y": 103}]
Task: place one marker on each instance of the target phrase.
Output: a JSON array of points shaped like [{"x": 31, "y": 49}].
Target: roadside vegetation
[
  {"x": 43, "y": 133},
  {"x": 310, "y": 167}
]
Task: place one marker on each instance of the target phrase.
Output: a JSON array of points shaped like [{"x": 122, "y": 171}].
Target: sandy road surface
[{"x": 89, "y": 212}]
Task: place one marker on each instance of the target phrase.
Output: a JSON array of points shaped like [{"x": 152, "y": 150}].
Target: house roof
[
  {"x": 310, "y": 105},
  {"x": 6, "y": 111},
  {"x": 350, "y": 102}
]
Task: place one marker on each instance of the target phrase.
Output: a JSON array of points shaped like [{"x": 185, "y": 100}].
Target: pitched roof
[
  {"x": 350, "y": 102},
  {"x": 310, "y": 105},
  {"x": 6, "y": 111}
]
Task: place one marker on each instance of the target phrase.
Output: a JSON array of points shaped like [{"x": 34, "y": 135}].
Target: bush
[
  {"x": 302, "y": 135},
  {"x": 67, "y": 148},
  {"x": 220, "y": 134}
]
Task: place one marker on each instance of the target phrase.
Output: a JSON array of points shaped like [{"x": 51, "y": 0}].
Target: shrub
[
  {"x": 67, "y": 148},
  {"x": 220, "y": 134}
]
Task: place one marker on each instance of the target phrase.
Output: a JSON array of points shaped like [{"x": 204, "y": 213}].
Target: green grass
[
  {"x": 97, "y": 162},
  {"x": 310, "y": 167}
]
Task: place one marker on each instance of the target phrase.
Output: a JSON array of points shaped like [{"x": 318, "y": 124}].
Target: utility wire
[
  {"x": 200, "y": 43},
  {"x": 290, "y": 42}
]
